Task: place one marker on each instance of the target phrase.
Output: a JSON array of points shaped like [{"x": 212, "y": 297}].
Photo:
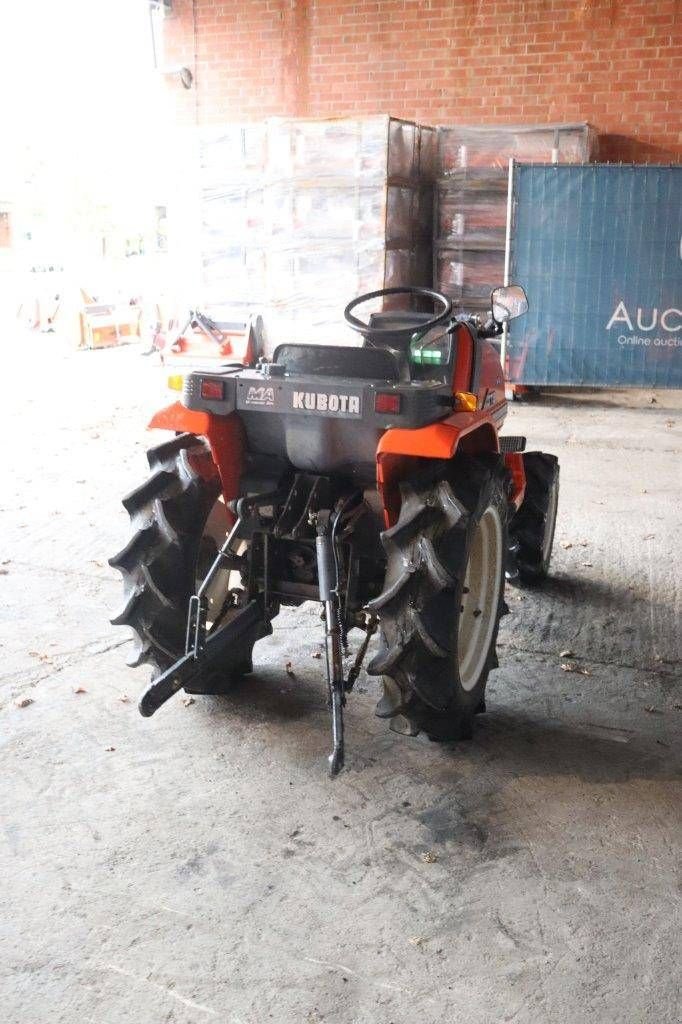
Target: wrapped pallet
[
  {"x": 493, "y": 146},
  {"x": 471, "y": 199},
  {"x": 299, "y": 216}
]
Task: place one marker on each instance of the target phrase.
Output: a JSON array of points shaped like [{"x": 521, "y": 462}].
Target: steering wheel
[{"x": 390, "y": 332}]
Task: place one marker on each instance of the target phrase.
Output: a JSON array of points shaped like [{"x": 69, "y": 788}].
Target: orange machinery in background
[
  {"x": 204, "y": 340},
  {"x": 104, "y": 324}
]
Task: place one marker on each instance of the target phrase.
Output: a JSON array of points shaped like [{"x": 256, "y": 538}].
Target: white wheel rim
[
  {"x": 480, "y": 597},
  {"x": 549, "y": 524}
]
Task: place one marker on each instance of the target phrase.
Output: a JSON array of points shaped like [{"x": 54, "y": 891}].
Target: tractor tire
[
  {"x": 169, "y": 553},
  {"x": 443, "y": 597},
  {"x": 531, "y": 531}
]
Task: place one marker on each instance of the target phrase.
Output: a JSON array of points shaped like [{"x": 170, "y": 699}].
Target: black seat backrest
[
  {"x": 405, "y": 347},
  {"x": 398, "y": 319},
  {"x": 338, "y": 361}
]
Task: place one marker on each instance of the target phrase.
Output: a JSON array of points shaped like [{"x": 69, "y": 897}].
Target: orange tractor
[{"x": 372, "y": 479}]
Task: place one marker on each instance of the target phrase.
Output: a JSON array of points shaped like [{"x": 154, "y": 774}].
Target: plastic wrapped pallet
[
  {"x": 300, "y": 216},
  {"x": 468, "y": 275},
  {"x": 371, "y": 149},
  {"x": 464, "y": 146},
  {"x": 477, "y": 221},
  {"x": 472, "y": 208},
  {"x": 471, "y": 199}
]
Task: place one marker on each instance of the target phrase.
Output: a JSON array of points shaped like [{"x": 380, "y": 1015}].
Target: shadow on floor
[
  {"x": 595, "y": 593},
  {"x": 524, "y": 744},
  {"x": 507, "y": 738},
  {"x": 601, "y": 399}
]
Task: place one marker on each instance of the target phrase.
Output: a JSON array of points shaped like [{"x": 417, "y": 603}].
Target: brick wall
[{"x": 615, "y": 63}]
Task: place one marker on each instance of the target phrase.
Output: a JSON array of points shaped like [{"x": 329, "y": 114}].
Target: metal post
[
  {"x": 328, "y": 582},
  {"x": 507, "y": 260}
]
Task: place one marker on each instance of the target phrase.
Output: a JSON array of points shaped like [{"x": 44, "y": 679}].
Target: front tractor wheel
[
  {"x": 178, "y": 521},
  {"x": 443, "y": 597}
]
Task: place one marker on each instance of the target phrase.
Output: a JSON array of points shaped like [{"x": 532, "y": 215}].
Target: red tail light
[
  {"x": 213, "y": 390},
  {"x": 387, "y": 402}
]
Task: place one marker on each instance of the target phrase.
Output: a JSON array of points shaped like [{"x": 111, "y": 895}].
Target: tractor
[{"x": 372, "y": 479}]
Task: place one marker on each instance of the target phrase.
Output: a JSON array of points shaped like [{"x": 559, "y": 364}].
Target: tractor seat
[{"x": 339, "y": 361}]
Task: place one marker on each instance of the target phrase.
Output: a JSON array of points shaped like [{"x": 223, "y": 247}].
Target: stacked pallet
[
  {"x": 471, "y": 199},
  {"x": 300, "y": 216}
]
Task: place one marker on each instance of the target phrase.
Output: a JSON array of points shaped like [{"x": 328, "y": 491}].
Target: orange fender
[
  {"x": 463, "y": 431},
  {"x": 179, "y": 418},
  {"x": 225, "y": 435}
]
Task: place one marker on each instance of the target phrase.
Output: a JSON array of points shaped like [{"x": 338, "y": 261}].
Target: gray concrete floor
[{"x": 200, "y": 866}]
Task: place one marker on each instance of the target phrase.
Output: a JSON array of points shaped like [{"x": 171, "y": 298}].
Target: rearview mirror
[{"x": 508, "y": 303}]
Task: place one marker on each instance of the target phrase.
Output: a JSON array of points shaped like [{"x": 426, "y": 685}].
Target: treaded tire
[
  {"x": 421, "y": 605},
  {"x": 531, "y": 531},
  {"x": 160, "y": 562}
]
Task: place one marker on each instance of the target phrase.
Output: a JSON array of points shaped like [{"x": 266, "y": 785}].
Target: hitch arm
[{"x": 220, "y": 649}]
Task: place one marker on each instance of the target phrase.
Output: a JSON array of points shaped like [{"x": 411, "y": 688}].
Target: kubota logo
[
  {"x": 323, "y": 402},
  {"x": 260, "y": 396}
]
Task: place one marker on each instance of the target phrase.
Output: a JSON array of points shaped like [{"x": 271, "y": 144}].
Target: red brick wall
[{"x": 615, "y": 63}]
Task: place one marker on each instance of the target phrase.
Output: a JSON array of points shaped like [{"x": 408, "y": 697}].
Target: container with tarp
[{"x": 598, "y": 249}]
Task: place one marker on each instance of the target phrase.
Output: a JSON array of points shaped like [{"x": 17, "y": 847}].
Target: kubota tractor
[{"x": 372, "y": 479}]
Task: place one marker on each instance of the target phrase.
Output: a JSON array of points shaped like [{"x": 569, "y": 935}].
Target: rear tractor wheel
[
  {"x": 443, "y": 597},
  {"x": 531, "y": 531},
  {"x": 178, "y": 521}
]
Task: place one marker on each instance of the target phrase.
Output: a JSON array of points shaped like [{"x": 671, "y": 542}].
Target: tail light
[
  {"x": 387, "y": 402},
  {"x": 212, "y": 390}
]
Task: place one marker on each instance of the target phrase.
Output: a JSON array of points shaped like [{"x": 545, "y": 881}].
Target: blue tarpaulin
[{"x": 598, "y": 248}]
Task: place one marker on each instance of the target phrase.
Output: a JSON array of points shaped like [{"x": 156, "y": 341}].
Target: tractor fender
[
  {"x": 225, "y": 436},
  {"x": 180, "y": 419},
  {"x": 398, "y": 449}
]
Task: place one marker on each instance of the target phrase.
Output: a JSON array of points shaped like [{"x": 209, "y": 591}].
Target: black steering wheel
[{"x": 386, "y": 332}]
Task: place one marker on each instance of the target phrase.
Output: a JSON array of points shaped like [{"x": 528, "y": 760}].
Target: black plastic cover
[
  {"x": 338, "y": 361},
  {"x": 320, "y": 424}
]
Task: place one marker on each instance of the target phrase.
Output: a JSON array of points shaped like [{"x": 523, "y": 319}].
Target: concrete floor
[{"x": 200, "y": 866}]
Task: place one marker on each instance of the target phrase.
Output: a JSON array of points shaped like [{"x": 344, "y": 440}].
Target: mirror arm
[{"x": 492, "y": 328}]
